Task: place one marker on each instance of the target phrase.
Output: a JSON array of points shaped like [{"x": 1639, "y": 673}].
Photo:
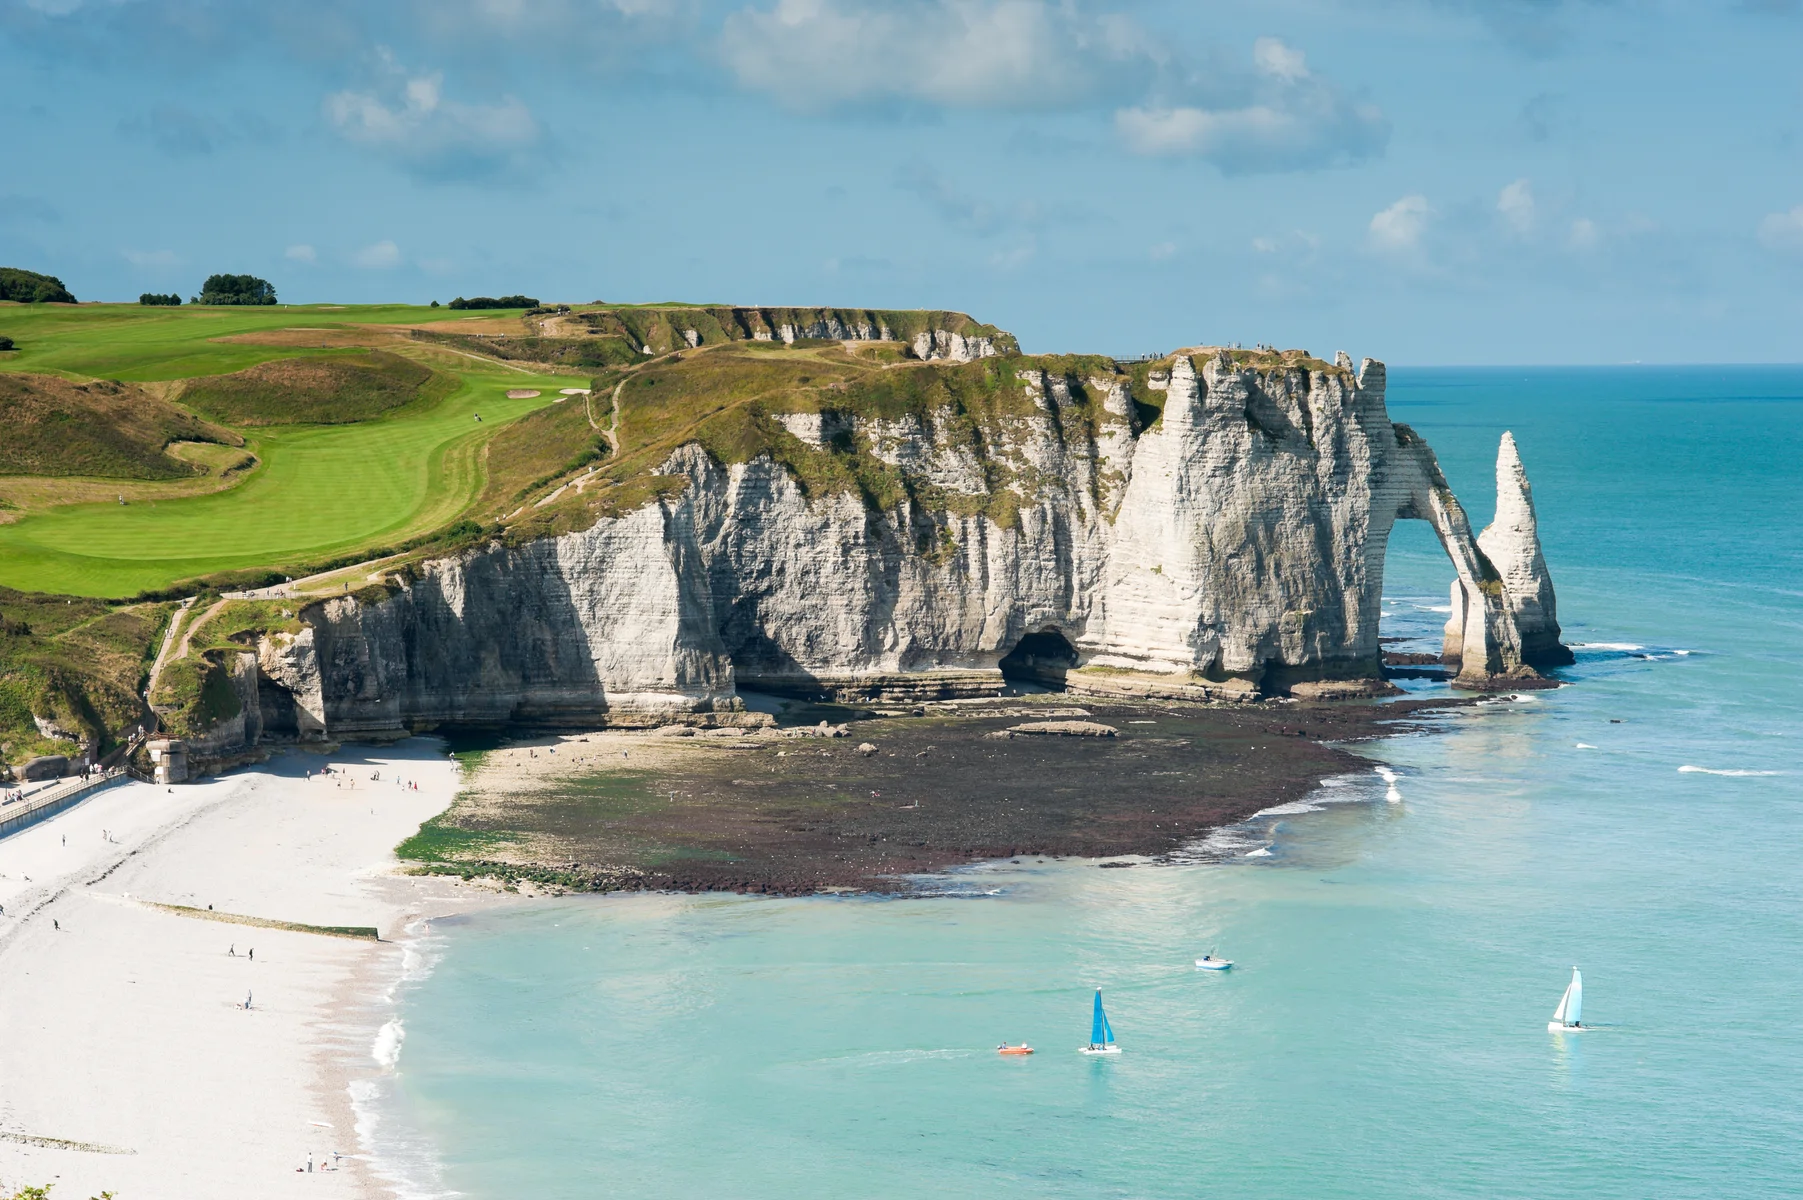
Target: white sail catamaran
[{"x": 1571, "y": 1007}]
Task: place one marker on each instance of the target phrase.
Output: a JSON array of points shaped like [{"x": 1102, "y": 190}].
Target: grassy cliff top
[{"x": 54, "y": 427}]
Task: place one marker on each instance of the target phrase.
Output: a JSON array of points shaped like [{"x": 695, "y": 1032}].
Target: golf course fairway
[{"x": 321, "y": 491}]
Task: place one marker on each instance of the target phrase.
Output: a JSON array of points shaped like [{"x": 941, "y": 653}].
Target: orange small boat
[{"x": 1005, "y": 1048}]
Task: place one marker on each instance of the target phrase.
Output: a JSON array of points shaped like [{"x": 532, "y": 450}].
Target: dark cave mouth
[{"x": 1041, "y": 658}]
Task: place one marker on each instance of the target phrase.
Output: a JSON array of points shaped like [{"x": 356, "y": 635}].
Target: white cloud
[
  {"x": 1516, "y": 206},
  {"x": 1583, "y": 234},
  {"x": 1162, "y": 251},
  {"x": 1782, "y": 230},
  {"x": 1297, "y": 244},
  {"x": 1288, "y": 119},
  {"x": 1279, "y": 61},
  {"x": 412, "y": 121},
  {"x": 301, "y": 253},
  {"x": 379, "y": 257},
  {"x": 152, "y": 258},
  {"x": 813, "y": 54},
  {"x": 1398, "y": 228}
]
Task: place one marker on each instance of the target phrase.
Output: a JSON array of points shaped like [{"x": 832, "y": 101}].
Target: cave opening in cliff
[{"x": 1041, "y": 658}]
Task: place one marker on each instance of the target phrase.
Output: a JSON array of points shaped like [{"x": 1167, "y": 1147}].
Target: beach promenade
[{"x": 128, "y": 1058}]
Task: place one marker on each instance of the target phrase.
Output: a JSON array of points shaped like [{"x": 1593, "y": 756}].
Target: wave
[
  {"x": 1635, "y": 650},
  {"x": 1688, "y": 769},
  {"x": 404, "y": 1159},
  {"x": 1585, "y": 746},
  {"x": 1252, "y": 837},
  {"x": 954, "y": 894},
  {"x": 890, "y": 1058},
  {"x": 386, "y": 1049},
  {"x": 1391, "y": 792}
]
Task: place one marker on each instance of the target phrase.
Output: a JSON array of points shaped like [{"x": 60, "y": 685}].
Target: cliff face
[{"x": 1230, "y": 545}]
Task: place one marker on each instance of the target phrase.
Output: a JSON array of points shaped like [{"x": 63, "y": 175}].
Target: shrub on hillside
[
  {"x": 6, "y": 343},
  {"x": 495, "y": 302},
  {"x": 168, "y": 299},
  {"x": 236, "y": 289},
  {"x": 28, "y": 287}
]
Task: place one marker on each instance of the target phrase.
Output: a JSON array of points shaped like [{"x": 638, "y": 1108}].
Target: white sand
[{"x": 124, "y": 1029}]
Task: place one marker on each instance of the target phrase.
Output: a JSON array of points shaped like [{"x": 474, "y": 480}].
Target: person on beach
[
  {"x": 233, "y": 951},
  {"x": 253, "y": 954}
]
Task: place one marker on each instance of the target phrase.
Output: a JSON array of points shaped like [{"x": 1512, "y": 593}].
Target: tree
[
  {"x": 6, "y": 343},
  {"x": 236, "y": 289},
  {"x": 169, "y": 299},
  {"x": 495, "y": 302},
  {"x": 29, "y": 287}
]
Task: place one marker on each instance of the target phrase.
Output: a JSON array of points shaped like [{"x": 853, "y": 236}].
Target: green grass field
[
  {"x": 138, "y": 344},
  {"x": 320, "y": 491}
]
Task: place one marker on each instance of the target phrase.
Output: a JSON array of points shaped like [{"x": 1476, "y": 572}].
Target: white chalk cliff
[{"x": 1230, "y": 545}]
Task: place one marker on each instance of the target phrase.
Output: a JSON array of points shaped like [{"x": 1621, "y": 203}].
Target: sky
[{"x": 1422, "y": 181}]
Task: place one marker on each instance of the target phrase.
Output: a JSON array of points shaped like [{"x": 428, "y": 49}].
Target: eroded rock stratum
[{"x": 1228, "y": 543}]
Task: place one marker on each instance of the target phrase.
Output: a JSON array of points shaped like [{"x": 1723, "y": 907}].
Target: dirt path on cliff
[{"x": 169, "y": 641}]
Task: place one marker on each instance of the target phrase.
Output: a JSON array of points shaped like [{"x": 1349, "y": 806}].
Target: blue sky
[{"x": 1425, "y": 181}]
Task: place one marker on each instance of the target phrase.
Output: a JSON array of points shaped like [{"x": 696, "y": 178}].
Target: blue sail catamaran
[{"x": 1101, "y": 1033}]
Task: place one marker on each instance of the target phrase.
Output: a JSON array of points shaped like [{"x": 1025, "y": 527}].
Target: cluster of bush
[
  {"x": 235, "y": 289},
  {"x": 29, "y": 287},
  {"x": 6, "y": 343},
  {"x": 166, "y": 300},
  {"x": 494, "y": 302}
]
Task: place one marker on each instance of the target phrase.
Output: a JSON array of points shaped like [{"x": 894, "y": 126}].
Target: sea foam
[{"x": 1691, "y": 770}]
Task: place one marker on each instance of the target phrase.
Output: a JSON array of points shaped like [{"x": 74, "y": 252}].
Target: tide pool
[{"x": 1383, "y": 1032}]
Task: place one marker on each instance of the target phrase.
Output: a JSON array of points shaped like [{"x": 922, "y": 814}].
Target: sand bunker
[
  {"x": 575, "y": 391},
  {"x": 521, "y": 393}
]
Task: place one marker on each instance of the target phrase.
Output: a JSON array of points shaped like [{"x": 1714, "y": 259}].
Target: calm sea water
[{"x": 1383, "y": 1034}]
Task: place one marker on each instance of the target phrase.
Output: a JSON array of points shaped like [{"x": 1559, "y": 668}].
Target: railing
[{"x": 14, "y": 817}]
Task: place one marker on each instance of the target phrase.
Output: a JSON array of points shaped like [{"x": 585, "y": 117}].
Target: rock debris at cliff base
[{"x": 792, "y": 816}]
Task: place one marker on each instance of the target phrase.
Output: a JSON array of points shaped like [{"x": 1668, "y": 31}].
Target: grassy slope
[
  {"x": 728, "y": 399},
  {"x": 316, "y": 390},
  {"x": 54, "y": 427},
  {"x": 78, "y": 662}
]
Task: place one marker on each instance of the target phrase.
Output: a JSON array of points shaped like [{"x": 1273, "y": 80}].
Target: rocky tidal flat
[{"x": 866, "y": 804}]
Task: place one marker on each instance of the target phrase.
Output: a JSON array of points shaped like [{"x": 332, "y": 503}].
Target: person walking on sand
[
  {"x": 246, "y": 1001},
  {"x": 232, "y": 952},
  {"x": 253, "y": 954}
]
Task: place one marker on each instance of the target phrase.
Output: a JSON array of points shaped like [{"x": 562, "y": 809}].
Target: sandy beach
[{"x": 129, "y": 1061}]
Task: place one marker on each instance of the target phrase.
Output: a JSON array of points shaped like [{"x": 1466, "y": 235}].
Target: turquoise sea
[{"x": 1384, "y": 1032}]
